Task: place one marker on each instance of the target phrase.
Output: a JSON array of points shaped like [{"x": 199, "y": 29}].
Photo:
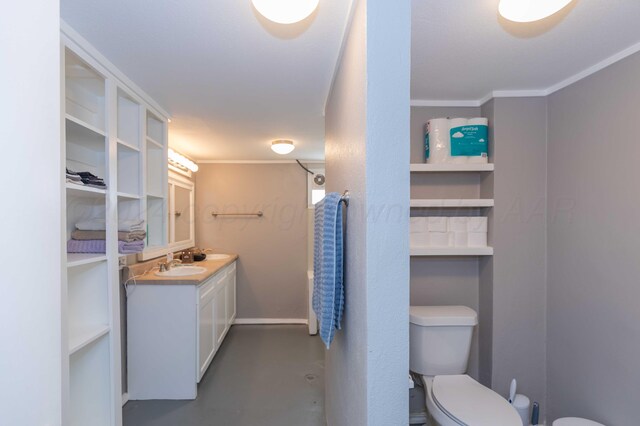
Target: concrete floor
[{"x": 262, "y": 375}]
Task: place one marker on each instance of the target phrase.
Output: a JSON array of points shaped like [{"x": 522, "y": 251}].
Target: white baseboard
[
  {"x": 256, "y": 321},
  {"x": 125, "y": 398}
]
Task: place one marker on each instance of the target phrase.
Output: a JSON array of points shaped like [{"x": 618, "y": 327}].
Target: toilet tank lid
[{"x": 442, "y": 316}]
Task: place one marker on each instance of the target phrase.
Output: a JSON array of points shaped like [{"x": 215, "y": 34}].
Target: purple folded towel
[
  {"x": 86, "y": 246},
  {"x": 99, "y": 246},
  {"x": 125, "y": 247}
]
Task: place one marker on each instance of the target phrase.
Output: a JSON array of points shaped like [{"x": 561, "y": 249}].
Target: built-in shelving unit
[{"x": 106, "y": 134}]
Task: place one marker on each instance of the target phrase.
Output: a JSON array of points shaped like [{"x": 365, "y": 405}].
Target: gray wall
[
  {"x": 513, "y": 281},
  {"x": 594, "y": 205},
  {"x": 366, "y": 367},
  {"x": 272, "y": 268}
]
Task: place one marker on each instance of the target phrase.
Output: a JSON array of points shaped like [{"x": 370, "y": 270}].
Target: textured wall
[
  {"x": 365, "y": 153},
  {"x": 594, "y": 205},
  {"x": 272, "y": 268}
]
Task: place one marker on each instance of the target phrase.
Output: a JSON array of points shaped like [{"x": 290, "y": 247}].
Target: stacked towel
[
  {"x": 90, "y": 237},
  {"x": 328, "y": 289},
  {"x": 85, "y": 178}
]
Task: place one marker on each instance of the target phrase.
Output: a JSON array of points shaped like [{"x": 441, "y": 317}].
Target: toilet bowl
[
  {"x": 440, "y": 342},
  {"x": 575, "y": 421}
]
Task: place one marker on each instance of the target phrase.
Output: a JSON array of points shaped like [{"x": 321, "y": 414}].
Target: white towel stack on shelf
[
  {"x": 439, "y": 231},
  {"x": 440, "y": 144}
]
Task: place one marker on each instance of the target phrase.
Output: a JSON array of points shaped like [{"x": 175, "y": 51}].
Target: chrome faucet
[{"x": 166, "y": 266}]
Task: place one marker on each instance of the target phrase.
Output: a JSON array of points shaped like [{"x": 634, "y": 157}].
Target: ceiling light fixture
[
  {"x": 282, "y": 146},
  {"x": 180, "y": 161},
  {"x": 530, "y": 10},
  {"x": 285, "y": 11}
]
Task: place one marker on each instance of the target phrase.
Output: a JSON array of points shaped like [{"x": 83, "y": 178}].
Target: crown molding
[{"x": 635, "y": 48}]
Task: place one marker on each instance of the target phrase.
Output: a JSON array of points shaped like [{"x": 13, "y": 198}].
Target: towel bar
[
  {"x": 345, "y": 198},
  {"x": 259, "y": 214}
]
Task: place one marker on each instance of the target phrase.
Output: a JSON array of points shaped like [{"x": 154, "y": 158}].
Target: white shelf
[
  {"x": 78, "y": 259},
  {"x": 150, "y": 195},
  {"x": 128, "y": 145},
  {"x": 127, "y": 196},
  {"x": 154, "y": 142},
  {"x": 452, "y": 203},
  {"x": 84, "y": 124},
  {"x": 420, "y": 167},
  {"x": 86, "y": 191},
  {"x": 79, "y": 339},
  {"x": 452, "y": 251}
]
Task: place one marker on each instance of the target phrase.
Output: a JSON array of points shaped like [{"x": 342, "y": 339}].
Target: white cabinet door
[
  {"x": 231, "y": 294},
  {"x": 206, "y": 317},
  {"x": 220, "y": 312}
]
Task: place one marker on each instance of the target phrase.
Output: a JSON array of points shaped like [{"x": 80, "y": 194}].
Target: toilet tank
[{"x": 440, "y": 339}]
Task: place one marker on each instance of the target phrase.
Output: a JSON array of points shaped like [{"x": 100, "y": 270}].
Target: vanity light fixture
[
  {"x": 530, "y": 10},
  {"x": 282, "y": 146},
  {"x": 180, "y": 161},
  {"x": 285, "y": 11}
]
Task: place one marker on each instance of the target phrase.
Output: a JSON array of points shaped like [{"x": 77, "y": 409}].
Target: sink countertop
[{"x": 211, "y": 266}]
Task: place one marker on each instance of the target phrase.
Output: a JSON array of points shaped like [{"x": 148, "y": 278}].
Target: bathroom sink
[
  {"x": 217, "y": 256},
  {"x": 182, "y": 271}
]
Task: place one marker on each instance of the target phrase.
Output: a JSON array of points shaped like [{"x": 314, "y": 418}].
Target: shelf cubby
[
  {"x": 156, "y": 221},
  {"x": 155, "y": 170},
  {"x": 90, "y": 401},
  {"x": 84, "y": 92},
  {"x": 155, "y": 129},
  {"x": 128, "y": 121},
  {"x": 85, "y": 149},
  {"x": 88, "y": 302},
  {"x": 128, "y": 170},
  {"x": 83, "y": 203}
]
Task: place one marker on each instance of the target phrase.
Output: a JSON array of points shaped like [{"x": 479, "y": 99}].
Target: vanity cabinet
[{"x": 174, "y": 332}]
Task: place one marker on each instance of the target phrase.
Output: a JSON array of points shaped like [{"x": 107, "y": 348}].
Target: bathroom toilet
[
  {"x": 575, "y": 421},
  {"x": 440, "y": 342}
]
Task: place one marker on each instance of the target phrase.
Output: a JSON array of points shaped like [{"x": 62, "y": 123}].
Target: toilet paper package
[
  {"x": 418, "y": 225},
  {"x": 419, "y": 240},
  {"x": 477, "y": 239},
  {"x": 458, "y": 224},
  {"x": 436, "y": 141},
  {"x": 456, "y": 140},
  {"x": 469, "y": 139},
  {"x": 438, "y": 224},
  {"x": 477, "y": 224},
  {"x": 439, "y": 239},
  {"x": 460, "y": 239}
]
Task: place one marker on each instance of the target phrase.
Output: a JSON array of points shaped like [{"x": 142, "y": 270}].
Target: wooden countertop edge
[{"x": 213, "y": 267}]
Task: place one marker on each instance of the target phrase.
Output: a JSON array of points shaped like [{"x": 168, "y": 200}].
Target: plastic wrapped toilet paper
[
  {"x": 477, "y": 239},
  {"x": 477, "y": 224},
  {"x": 437, "y": 144},
  {"x": 480, "y": 159},
  {"x": 438, "y": 224},
  {"x": 419, "y": 240},
  {"x": 439, "y": 239},
  {"x": 454, "y": 123},
  {"x": 458, "y": 224},
  {"x": 460, "y": 239},
  {"x": 418, "y": 232}
]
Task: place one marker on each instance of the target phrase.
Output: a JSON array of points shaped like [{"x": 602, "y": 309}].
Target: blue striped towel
[{"x": 328, "y": 289}]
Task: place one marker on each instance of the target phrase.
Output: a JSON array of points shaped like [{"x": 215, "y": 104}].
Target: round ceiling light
[
  {"x": 530, "y": 10},
  {"x": 282, "y": 146},
  {"x": 285, "y": 11}
]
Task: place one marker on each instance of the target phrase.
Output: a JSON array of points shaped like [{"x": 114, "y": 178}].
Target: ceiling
[
  {"x": 232, "y": 80},
  {"x": 462, "y": 49}
]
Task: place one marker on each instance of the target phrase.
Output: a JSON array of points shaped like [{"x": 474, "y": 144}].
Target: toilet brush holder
[{"x": 522, "y": 405}]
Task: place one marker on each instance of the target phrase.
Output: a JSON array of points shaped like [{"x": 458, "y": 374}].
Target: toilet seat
[
  {"x": 467, "y": 402},
  {"x": 575, "y": 421}
]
